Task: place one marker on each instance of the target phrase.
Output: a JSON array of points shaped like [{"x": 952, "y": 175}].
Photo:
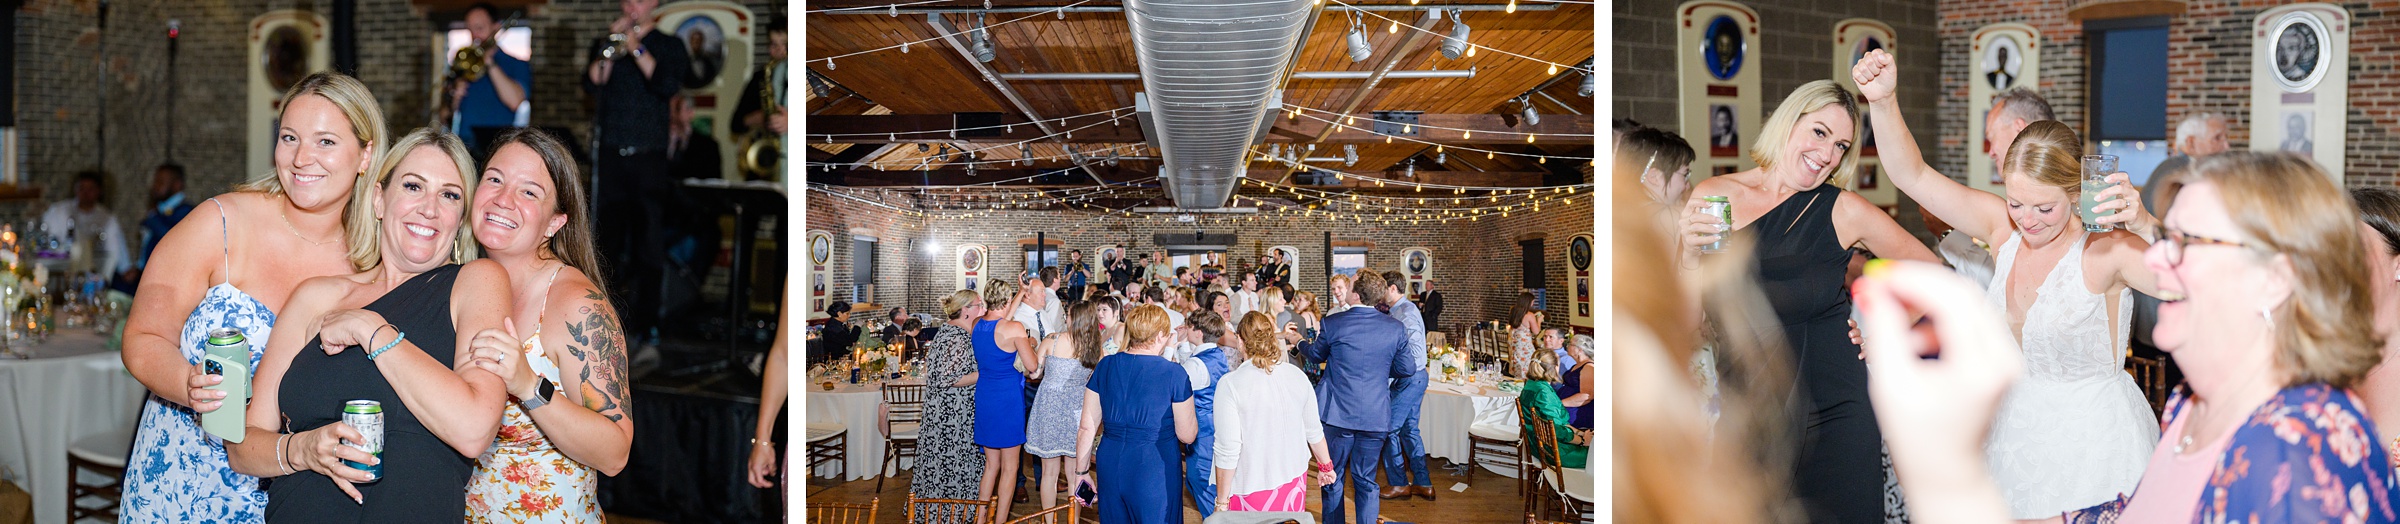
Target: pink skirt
[{"x": 1291, "y": 496}]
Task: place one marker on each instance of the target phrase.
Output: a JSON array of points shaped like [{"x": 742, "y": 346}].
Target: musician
[
  {"x": 751, "y": 109},
  {"x": 491, "y": 101},
  {"x": 633, "y": 77}
]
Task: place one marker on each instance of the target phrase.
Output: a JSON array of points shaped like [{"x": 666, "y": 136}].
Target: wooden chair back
[
  {"x": 2150, "y": 374},
  {"x": 1068, "y": 513},
  {"x": 947, "y": 511},
  {"x": 837, "y": 513},
  {"x": 907, "y": 401}
]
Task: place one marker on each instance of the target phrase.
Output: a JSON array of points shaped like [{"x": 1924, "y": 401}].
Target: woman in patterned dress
[
  {"x": 948, "y": 462},
  {"x": 571, "y": 418},
  {"x": 202, "y": 277},
  {"x": 2259, "y": 269}
]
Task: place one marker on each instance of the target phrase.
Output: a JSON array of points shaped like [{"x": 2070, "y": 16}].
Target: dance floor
[{"x": 1488, "y": 498}]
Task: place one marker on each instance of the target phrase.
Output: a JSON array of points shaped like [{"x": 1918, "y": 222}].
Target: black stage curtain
[{"x": 691, "y": 447}]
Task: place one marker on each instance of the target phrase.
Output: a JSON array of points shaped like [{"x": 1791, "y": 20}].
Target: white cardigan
[{"x": 1265, "y": 423}]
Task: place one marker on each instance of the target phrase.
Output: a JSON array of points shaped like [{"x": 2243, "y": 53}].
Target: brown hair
[
  {"x": 1207, "y": 323},
  {"x": 1083, "y": 321},
  {"x": 2282, "y": 203},
  {"x": 574, "y": 243},
  {"x": 2048, "y": 153},
  {"x": 1258, "y": 341},
  {"x": 1652, "y": 148},
  {"x": 1144, "y": 324},
  {"x": 1370, "y": 288}
]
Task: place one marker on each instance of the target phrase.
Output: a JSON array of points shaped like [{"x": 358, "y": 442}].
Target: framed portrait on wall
[
  {"x": 2299, "y": 133},
  {"x": 1866, "y": 175},
  {"x": 1724, "y": 47},
  {"x": 2300, "y": 51},
  {"x": 1724, "y": 133},
  {"x": 2002, "y": 63}
]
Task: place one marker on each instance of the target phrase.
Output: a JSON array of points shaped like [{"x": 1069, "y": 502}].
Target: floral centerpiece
[{"x": 1446, "y": 363}]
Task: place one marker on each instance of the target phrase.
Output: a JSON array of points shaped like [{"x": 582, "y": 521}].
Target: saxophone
[{"x": 762, "y": 154}]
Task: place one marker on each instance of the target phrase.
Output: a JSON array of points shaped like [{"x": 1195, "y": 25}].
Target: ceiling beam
[
  {"x": 1391, "y": 59},
  {"x": 1455, "y": 178},
  {"x": 878, "y": 129},
  {"x": 950, "y": 35}
]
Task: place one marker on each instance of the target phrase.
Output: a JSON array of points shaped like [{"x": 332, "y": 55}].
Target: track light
[
  {"x": 1359, "y": 50},
  {"x": 817, "y": 86},
  {"x": 1586, "y": 90},
  {"x": 1531, "y": 117},
  {"x": 1456, "y": 45},
  {"x": 1349, "y": 155},
  {"x": 980, "y": 42}
]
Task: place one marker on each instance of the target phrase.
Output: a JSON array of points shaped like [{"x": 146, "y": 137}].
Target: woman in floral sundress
[{"x": 569, "y": 424}]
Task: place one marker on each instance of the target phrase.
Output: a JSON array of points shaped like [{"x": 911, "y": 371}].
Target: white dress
[{"x": 2074, "y": 431}]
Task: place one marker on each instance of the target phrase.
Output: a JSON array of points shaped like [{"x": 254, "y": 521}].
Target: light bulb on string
[{"x": 1512, "y": 7}]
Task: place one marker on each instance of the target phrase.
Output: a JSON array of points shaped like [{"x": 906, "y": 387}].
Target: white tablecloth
[
  {"x": 73, "y": 387},
  {"x": 1450, "y": 408},
  {"x": 854, "y": 407}
]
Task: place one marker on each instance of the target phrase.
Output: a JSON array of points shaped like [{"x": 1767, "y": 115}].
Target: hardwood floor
[{"x": 1488, "y": 498}]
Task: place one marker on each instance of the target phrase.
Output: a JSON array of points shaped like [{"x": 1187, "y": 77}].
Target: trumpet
[
  {"x": 468, "y": 63},
  {"x": 620, "y": 44},
  {"x": 763, "y": 153}
]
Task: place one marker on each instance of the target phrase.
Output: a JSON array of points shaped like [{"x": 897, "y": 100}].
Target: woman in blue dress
[
  {"x": 1002, "y": 348},
  {"x": 1137, "y": 396},
  {"x": 236, "y": 271}
]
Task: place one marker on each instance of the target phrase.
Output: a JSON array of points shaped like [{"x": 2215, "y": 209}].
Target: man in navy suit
[
  {"x": 1404, "y": 454},
  {"x": 1363, "y": 350}
]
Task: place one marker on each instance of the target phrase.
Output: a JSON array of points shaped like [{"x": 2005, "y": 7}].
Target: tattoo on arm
[{"x": 600, "y": 343}]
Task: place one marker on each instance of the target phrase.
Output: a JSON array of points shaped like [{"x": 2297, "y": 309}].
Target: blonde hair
[
  {"x": 2048, "y": 153},
  {"x": 1272, "y": 300},
  {"x": 996, "y": 294},
  {"x": 1545, "y": 367},
  {"x": 1809, "y": 98},
  {"x": 958, "y": 301},
  {"x": 357, "y": 104},
  {"x": 1145, "y": 324},
  {"x": 2282, "y": 203},
  {"x": 1659, "y": 430},
  {"x": 1258, "y": 341},
  {"x": 359, "y": 224}
]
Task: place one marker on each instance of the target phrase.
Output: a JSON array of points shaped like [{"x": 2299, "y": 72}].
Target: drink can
[
  {"x": 1722, "y": 208},
  {"x": 228, "y": 343},
  {"x": 366, "y": 416}
]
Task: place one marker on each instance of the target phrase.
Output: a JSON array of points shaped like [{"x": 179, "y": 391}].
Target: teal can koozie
[{"x": 366, "y": 416}]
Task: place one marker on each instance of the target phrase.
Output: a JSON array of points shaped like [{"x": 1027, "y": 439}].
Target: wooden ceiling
[{"x": 933, "y": 79}]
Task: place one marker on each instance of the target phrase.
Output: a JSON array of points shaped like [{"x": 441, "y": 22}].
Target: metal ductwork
[{"x": 1210, "y": 70}]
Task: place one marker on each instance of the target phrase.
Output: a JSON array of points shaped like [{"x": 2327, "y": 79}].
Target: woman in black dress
[
  {"x": 391, "y": 333},
  {"x": 1798, "y": 224}
]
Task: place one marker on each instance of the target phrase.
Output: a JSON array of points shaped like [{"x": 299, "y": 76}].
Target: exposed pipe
[
  {"x": 970, "y": 10},
  {"x": 1311, "y": 75},
  {"x": 1210, "y": 69}
]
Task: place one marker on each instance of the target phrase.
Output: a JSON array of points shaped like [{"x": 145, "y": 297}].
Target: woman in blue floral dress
[{"x": 236, "y": 271}]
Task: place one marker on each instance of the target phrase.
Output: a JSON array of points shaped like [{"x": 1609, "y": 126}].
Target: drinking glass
[{"x": 2096, "y": 169}]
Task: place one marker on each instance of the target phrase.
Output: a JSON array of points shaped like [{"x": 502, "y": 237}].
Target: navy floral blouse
[{"x": 2308, "y": 455}]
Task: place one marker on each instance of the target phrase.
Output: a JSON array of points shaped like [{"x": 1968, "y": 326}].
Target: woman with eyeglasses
[{"x": 2260, "y": 270}]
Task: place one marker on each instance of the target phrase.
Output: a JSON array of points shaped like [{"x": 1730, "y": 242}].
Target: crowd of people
[
  {"x": 1151, "y": 383},
  {"x": 462, "y": 293},
  {"x": 2000, "y": 390}
]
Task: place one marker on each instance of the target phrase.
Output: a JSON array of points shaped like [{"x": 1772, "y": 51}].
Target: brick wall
[
  {"x": 57, "y": 98},
  {"x": 2208, "y": 67},
  {"x": 1795, "y": 46},
  {"x": 1476, "y": 264}
]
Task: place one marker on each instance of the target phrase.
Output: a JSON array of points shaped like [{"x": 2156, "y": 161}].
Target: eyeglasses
[{"x": 2174, "y": 241}]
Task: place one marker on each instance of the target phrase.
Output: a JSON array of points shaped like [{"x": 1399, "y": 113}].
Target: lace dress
[
  {"x": 176, "y": 472},
  {"x": 949, "y": 464},
  {"x": 2075, "y": 431},
  {"x": 1057, "y": 408}
]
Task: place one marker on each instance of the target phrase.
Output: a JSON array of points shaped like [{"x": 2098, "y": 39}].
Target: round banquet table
[
  {"x": 73, "y": 387},
  {"x": 1449, "y": 409},
  {"x": 854, "y": 406}
]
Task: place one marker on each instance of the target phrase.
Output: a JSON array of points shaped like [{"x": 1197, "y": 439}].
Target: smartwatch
[{"x": 541, "y": 396}]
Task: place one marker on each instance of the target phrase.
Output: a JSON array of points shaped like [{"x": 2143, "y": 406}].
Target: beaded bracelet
[{"x": 388, "y": 347}]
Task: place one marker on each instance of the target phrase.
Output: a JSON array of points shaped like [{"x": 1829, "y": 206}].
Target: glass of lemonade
[{"x": 2096, "y": 169}]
